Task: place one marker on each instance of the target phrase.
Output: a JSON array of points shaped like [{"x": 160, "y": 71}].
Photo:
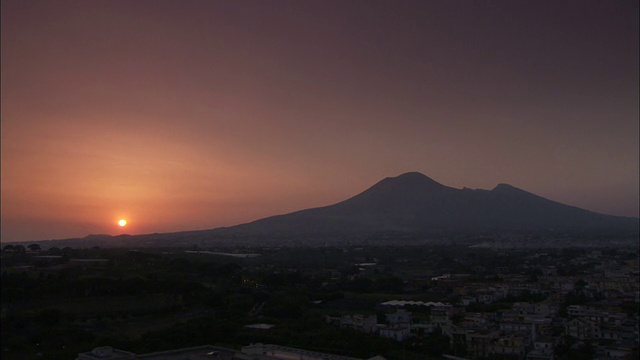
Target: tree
[
  {"x": 55, "y": 251},
  {"x": 8, "y": 248},
  {"x": 34, "y": 247}
]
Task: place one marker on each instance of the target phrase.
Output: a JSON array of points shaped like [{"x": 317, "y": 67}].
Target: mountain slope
[{"x": 413, "y": 202}]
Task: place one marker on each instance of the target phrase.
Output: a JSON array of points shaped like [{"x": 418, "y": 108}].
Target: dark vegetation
[{"x": 59, "y": 302}]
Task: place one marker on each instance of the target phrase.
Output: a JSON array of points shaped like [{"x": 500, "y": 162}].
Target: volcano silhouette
[{"x": 415, "y": 203}]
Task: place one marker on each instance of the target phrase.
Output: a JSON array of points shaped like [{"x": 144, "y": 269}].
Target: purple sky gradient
[{"x": 183, "y": 115}]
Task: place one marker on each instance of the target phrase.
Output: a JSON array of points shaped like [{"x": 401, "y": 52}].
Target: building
[
  {"x": 399, "y": 317},
  {"x": 581, "y": 328},
  {"x": 273, "y": 352},
  {"x": 397, "y": 332},
  {"x": 106, "y": 353},
  {"x": 364, "y": 323},
  {"x": 542, "y": 350},
  {"x": 512, "y": 346},
  {"x": 208, "y": 352},
  {"x": 472, "y": 343}
]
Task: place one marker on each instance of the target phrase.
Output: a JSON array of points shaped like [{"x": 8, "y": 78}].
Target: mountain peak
[
  {"x": 411, "y": 186},
  {"x": 413, "y": 174},
  {"x": 413, "y": 178},
  {"x": 414, "y": 203},
  {"x": 512, "y": 191},
  {"x": 504, "y": 187}
]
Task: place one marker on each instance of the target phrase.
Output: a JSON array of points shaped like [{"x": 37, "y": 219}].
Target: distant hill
[
  {"x": 415, "y": 203},
  {"x": 409, "y": 206}
]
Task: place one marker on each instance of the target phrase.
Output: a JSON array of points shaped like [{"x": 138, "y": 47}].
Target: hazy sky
[{"x": 184, "y": 115}]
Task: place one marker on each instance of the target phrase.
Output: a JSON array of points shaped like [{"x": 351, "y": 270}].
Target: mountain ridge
[{"x": 413, "y": 202}]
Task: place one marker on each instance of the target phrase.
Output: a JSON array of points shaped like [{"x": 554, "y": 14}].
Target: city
[{"x": 404, "y": 302}]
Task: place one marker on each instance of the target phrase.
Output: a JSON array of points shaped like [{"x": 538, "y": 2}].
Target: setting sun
[{"x": 122, "y": 222}]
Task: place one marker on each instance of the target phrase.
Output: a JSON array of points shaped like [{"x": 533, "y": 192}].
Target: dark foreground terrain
[{"x": 410, "y": 302}]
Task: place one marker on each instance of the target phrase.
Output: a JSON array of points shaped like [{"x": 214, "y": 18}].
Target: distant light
[{"x": 122, "y": 222}]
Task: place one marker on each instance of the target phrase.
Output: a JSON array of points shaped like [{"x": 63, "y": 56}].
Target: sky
[{"x": 186, "y": 115}]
